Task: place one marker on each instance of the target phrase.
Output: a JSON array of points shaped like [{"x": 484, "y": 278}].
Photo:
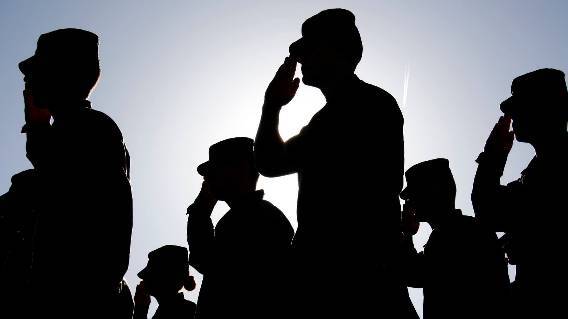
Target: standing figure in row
[
  {"x": 462, "y": 269},
  {"x": 82, "y": 190},
  {"x": 531, "y": 210},
  {"x": 350, "y": 161},
  {"x": 243, "y": 258}
]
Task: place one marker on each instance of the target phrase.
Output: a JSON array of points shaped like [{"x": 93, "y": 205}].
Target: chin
[
  {"x": 520, "y": 136},
  {"x": 307, "y": 80}
]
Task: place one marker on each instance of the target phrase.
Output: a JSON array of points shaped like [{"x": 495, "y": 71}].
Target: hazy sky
[{"x": 178, "y": 76}]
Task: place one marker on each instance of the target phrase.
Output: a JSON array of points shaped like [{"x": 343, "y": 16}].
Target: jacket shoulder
[
  {"x": 274, "y": 214},
  {"x": 385, "y": 102},
  {"x": 99, "y": 122},
  {"x": 375, "y": 92}
]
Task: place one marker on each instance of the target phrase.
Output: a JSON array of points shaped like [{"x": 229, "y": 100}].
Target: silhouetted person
[
  {"x": 349, "y": 161},
  {"x": 243, "y": 259},
  {"x": 165, "y": 275},
  {"x": 532, "y": 210},
  {"x": 462, "y": 269},
  {"x": 85, "y": 206}
]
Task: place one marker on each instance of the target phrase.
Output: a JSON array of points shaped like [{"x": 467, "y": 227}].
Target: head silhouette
[
  {"x": 430, "y": 190},
  {"x": 538, "y": 106},
  {"x": 64, "y": 68},
  {"x": 330, "y": 47},
  {"x": 167, "y": 271},
  {"x": 230, "y": 170}
]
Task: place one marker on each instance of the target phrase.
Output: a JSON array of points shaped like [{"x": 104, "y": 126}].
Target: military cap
[
  {"x": 169, "y": 260},
  {"x": 544, "y": 85},
  {"x": 65, "y": 49},
  {"x": 426, "y": 174},
  {"x": 333, "y": 26},
  {"x": 227, "y": 152}
]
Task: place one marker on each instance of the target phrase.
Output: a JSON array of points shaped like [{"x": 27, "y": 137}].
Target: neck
[
  {"x": 242, "y": 194},
  {"x": 336, "y": 89},
  {"x": 550, "y": 146},
  {"x": 62, "y": 107},
  {"x": 441, "y": 217},
  {"x": 167, "y": 298}
]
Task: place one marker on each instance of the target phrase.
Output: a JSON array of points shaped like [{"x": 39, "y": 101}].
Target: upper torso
[{"x": 350, "y": 164}]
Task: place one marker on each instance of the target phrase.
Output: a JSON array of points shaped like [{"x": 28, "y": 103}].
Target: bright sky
[{"x": 181, "y": 75}]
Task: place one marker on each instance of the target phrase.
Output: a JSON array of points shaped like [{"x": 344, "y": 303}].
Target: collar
[
  {"x": 173, "y": 300},
  {"x": 453, "y": 216},
  {"x": 343, "y": 89},
  {"x": 72, "y": 108}
]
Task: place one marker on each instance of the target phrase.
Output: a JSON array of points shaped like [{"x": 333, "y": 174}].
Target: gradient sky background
[{"x": 181, "y": 75}]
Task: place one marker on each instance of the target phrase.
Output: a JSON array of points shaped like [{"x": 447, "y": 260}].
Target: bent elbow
[
  {"x": 267, "y": 171},
  {"x": 265, "y": 164}
]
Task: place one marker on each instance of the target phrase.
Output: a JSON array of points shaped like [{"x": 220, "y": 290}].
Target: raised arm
[
  {"x": 200, "y": 232},
  {"x": 491, "y": 201},
  {"x": 271, "y": 154},
  {"x": 412, "y": 268}
]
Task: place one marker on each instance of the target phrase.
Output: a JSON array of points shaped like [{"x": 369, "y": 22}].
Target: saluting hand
[
  {"x": 34, "y": 115},
  {"x": 206, "y": 198},
  {"x": 283, "y": 87},
  {"x": 141, "y": 298},
  {"x": 501, "y": 139},
  {"x": 410, "y": 224}
]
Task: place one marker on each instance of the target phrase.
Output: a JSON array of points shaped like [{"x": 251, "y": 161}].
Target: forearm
[
  {"x": 489, "y": 197},
  {"x": 200, "y": 234},
  {"x": 412, "y": 263},
  {"x": 270, "y": 149},
  {"x": 38, "y": 145}
]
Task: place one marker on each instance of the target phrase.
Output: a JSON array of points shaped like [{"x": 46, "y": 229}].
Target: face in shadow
[
  {"x": 52, "y": 83},
  {"x": 231, "y": 179},
  {"x": 330, "y": 48},
  {"x": 164, "y": 285},
  {"x": 531, "y": 124},
  {"x": 322, "y": 64},
  {"x": 430, "y": 201},
  {"x": 420, "y": 206}
]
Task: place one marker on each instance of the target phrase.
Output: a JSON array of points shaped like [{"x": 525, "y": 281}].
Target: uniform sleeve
[
  {"x": 296, "y": 148},
  {"x": 200, "y": 237},
  {"x": 39, "y": 146},
  {"x": 412, "y": 263},
  {"x": 493, "y": 203}
]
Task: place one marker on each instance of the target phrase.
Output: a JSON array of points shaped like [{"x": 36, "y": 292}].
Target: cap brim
[
  {"x": 203, "y": 168},
  {"x": 296, "y": 48},
  {"x": 507, "y": 105},
  {"x": 143, "y": 274},
  {"x": 26, "y": 65}
]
